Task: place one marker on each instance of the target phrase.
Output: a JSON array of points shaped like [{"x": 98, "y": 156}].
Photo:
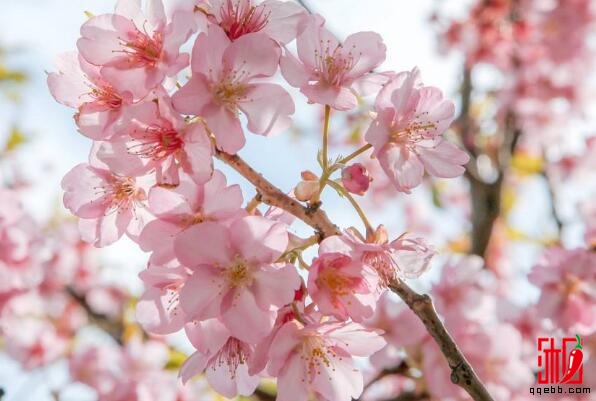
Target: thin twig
[
  {"x": 354, "y": 154},
  {"x": 462, "y": 373},
  {"x": 342, "y": 191}
]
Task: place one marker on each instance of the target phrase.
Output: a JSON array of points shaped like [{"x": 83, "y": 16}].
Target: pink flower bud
[{"x": 356, "y": 179}]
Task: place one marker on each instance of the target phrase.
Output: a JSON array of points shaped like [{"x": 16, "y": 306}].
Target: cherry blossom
[
  {"x": 235, "y": 274},
  {"x": 568, "y": 282},
  {"x": 80, "y": 85},
  {"x": 136, "y": 50},
  {"x": 343, "y": 287},
  {"x": 223, "y": 84},
  {"x": 333, "y": 73},
  {"x": 280, "y": 20},
  {"x": 317, "y": 357},
  {"x": 107, "y": 204},
  {"x": 403, "y": 257},
  {"x": 223, "y": 358},
  {"x": 158, "y": 139},
  {"x": 158, "y": 309},
  {"x": 406, "y": 135},
  {"x": 182, "y": 207}
]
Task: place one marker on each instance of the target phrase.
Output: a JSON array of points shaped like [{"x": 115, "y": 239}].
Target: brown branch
[
  {"x": 462, "y": 373},
  {"x": 272, "y": 196},
  {"x": 112, "y": 327}
]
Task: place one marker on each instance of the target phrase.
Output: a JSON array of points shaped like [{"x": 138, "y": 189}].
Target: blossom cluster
[
  {"x": 226, "y": 274},
  {"x": 541, "y": 52}
]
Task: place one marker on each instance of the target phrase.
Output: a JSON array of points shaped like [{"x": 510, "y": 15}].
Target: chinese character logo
[{"x": 560, "y": 366}]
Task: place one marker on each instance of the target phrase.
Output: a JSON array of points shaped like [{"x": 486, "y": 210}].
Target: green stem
[
  {"x": 342, "y": 191},
  {"x": 354, "y": 154},
  {"x": 326, "y": 138}
]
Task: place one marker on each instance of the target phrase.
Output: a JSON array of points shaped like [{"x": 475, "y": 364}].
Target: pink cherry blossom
[
  {"x": 136, "y": 50},
  {"x": 355, "y": 178},
  {"x": 407, "y": 133},
  {"x": 158, "y": 309},
  {"x": 222, "y": 84},
  {"x": 33, "y": 342},
  {"x": 343, "y": 287},
  {"x": 131, "y": 372},
  {"x": 333, "y": 73},
  {"x": 463, "y": 291},
  {"x": 182, "y": 207},
  {"x": 235, "y": 274},
  {"x": 567, "y": 280},
  {"x": 107, "y": 204},
  {"x": 278, "y": 19},
  {"x": 223, "y": 358},
  {"x": 401, "y": 329},
  {"x": 79, "y": 84},
  {"x": 404, "y": 257},
  {"x": 317, "y": 358},
  {"x": 157, "y": 138}
]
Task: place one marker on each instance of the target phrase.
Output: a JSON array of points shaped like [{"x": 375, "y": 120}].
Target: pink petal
[
  {"x": 445, "y": 160},
  {"x": 268, "y": 107},
  {"x": 367, "y": 50},
  {"x": 193, "y": 365},
  {"x": 291, "y": 382},
  {"x": 293, "y": 70},
  {"x": 199, "y": 153},
  {"x": 68, "y": 84},
  {"x": 258, "y": 239},
  {"x": 221, "y": 201},
  {"x": 252, "y": 55},
  {"x": 81, "y": 196},
  {"x": 207, "y": 336},
  {"x": 167, "y": 202},
  {"x": 193, "y": 96},
  {"x": 208, "y": 52},
  {"x": 358, "y": 340},
  {"x": 245, "y": 320},
  {"x": 283, "y": 20},
  {"x": 275, "y": 286},
  {"x": 377, "y": 133},
  {"x": 338, "y": 97},
  {"x": 100, "y": 38},
  {"x": 207, "y": 243},
  {"x": 314, "y": 41},
  {"x": 402, "y": 167},
  {"x": 158, "y": 314},
  {"x": 226, "y": 127},
  {"x": 200, "y": 298}
]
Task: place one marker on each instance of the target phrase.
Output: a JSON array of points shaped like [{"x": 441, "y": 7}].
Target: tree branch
[
  {"x": 272, "y": 196},
  {"x": 462, "y": 373}
]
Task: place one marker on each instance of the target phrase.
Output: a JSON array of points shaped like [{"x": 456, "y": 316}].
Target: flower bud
[
  {"x": 355, "y": 178},
  {"x": 308, "y": 187}
]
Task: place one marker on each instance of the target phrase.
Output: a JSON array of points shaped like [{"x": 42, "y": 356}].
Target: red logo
[{"x": 561, "y": 365}]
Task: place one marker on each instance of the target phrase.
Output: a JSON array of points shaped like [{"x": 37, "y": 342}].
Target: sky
[{"x": 37, "y": 30}]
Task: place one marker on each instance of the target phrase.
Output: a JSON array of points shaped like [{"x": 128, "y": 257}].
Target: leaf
[
  {"x": 175, "y": 360},
  {"x": 15, "y": 139},
  {"x": 12, "y": 75}
]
